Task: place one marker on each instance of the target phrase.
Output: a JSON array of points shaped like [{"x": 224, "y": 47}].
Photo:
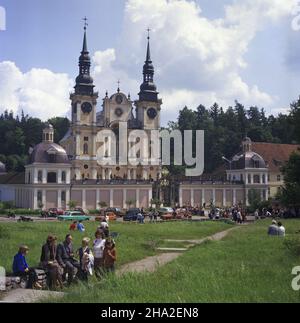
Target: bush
[
  {"x": 93, "y": 211},
  {"x": 5, "y": 211},
  {"x": 293, "y": 244}
]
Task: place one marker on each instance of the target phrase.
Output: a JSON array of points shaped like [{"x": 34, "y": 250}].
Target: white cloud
[
  {"x": 197, "y": 60},
  {"x": 39, "y": 92}
]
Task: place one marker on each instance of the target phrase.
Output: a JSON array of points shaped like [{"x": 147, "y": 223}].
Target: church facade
[{"x": 70, "y": 171}]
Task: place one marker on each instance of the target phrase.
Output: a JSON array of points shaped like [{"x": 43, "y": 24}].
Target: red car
[{"x": 55, "y": 212}]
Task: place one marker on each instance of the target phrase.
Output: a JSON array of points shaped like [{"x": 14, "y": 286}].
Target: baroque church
[
  {"x": 57, "y": 174},
  {"x": 70, "y": 171}
]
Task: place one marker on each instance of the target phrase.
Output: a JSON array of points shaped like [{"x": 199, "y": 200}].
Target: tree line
[
  {"x": 225, "y": 128},
  {"x": 19, "y": 133}
]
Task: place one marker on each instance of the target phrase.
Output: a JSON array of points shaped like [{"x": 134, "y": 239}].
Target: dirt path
[
  {"x": 28, "y": 296},
  {"x": 149, "y": 264}
]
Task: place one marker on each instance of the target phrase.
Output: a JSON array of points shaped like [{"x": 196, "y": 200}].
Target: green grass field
[
  {"x": 247, "y": 266},
  {"x": 134, "y": 242}
]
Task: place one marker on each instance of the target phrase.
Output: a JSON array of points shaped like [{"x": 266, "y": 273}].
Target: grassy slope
[
  {"x": 247, "y": 266},
  {"x": 134, "y": 242}
]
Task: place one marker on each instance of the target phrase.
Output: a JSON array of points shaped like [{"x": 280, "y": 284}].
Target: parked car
[
  {"x": 73, "y": 216},
  {"x": 54, "y": 212},
  {"x": 79, "y": 209},
  {"x": 117, "y": 211},
  {"x": 166, "y": 213},
  {"x": 131, "y": 215}
]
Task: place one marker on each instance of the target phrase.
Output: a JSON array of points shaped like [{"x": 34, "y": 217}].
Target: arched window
[
  {"x": 256, "y": 179},
  {"x": 63, "y": 176},
  {"x": 85, "y": 149},
  {"x": 249, "y": 179},
  {"x": 40, "y": 176},
  {"x": 51, "y": 177}
]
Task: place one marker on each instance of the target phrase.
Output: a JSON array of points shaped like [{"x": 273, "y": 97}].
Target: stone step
[{"x": 172, "y": 249}]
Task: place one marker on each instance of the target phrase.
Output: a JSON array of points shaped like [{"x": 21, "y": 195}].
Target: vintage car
[
  {"x": 166, "y": 213},
  {"x": 73, "y": 216}
]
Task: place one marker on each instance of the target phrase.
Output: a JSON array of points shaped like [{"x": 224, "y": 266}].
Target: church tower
[
  {"x": 84, "y": 118},
  {"x": 148, "y": 106}
]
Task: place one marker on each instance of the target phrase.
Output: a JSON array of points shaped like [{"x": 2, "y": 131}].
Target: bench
[{"x": 14, "y": 282}]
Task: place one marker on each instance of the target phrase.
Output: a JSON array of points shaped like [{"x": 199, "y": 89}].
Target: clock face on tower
[
  {"x": 119, "y": 112},
  {"x": 152, "y": 113},
  {"x": 86, "y": 107}
]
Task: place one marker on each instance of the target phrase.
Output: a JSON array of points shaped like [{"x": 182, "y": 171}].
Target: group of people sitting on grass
[
  {"x": 63, "y": 265},
  {"x": 276, "y": 229}
]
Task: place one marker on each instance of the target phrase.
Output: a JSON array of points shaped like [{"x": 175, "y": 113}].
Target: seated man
[
  {"x": 281, "y": 230},
  {"x": 21, "y": 268},
  {"x": 80, "y": 226},
  {"x": 273, "y": 229},
  {"x": 65, "y": 258}
]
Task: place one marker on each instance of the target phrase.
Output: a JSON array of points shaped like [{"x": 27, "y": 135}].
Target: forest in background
[{"x": 224, "y": 129}]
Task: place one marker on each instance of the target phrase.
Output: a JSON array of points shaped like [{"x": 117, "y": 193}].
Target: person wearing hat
[
  {"x": 21, "y": 269},
  {"x": 49, "y": 262},
  {"x": 273, "y": 229}
]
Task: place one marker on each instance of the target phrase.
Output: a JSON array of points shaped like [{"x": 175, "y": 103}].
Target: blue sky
[{"x": 203, "y": 51}]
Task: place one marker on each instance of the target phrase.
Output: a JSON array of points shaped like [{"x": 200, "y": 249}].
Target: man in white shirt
[{"x": 281, "y": 230}]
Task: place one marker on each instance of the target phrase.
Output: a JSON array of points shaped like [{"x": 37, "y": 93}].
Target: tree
[
  {"x": 156, "y": 202},
  {"x": 290, "y": 193},
  {"x": 72, "y": 204},
  {"x": 61, "y": 126},
  {"x": 254, "y": 199},
  {"x": 130, "y": 202}
]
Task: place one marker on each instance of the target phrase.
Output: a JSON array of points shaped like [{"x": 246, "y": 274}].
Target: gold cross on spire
[
  {"x": 85, "y": 22},
  {"x": 148, "y": 33}
]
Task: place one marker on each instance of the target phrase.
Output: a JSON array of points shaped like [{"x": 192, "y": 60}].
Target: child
[
  {"x": 73, "y": 226},
  {"x": 109, "y": 255},
  {"x": 80, "y": 226},
  {"x": 86, "y": 260},
  {"x": 20, "y": 268}
]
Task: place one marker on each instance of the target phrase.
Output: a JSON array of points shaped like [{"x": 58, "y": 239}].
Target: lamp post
[{"x": 164, "y": 182}]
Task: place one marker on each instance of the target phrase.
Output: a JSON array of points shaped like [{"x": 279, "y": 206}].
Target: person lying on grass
[{"x": 21, "y": 269}]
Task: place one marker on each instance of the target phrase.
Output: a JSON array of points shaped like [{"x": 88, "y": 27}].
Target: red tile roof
[
  {"x": 275, "y": 155},
  {"x": 12, "y": 178}
]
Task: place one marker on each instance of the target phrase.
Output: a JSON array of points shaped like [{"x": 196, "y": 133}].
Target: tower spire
[
  {"x": 84, "y": 47},
  {"x": 84, "y": 81},
  {"x": 148, "y": 56},
  {"x": 148, "y": 88}
]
